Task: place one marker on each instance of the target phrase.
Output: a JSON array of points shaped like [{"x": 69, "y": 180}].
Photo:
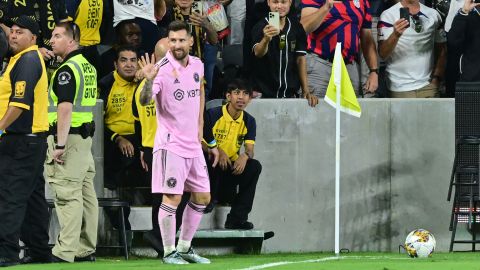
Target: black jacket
[{"x": 464, "y": 37}]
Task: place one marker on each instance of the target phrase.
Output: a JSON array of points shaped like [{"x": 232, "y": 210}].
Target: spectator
[
  {"x": 128, "y": 33},
  {"x": 121, "y": 142},
  {"x": 452, "y": 69},
  {"x": 199, "y": 25},
  {"x": 280, "y": 66},
  {"x": 464, "y": 37},
  {"x": 23, "y": 115},
  {"x": 69, "y": 166},
  {"x": 145, "y": 127},
  {"x": 230, "y": 127},
  {"x": 408, "y": 50},
  {"x": 178, "y": 163},
  {"x": 145, "y": 13},
  {"x": 88, "y": 15},
  {"x": 327, "y": 22}
]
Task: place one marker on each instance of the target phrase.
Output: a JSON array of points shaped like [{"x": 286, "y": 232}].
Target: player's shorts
[{"x": 172, "y": 174}]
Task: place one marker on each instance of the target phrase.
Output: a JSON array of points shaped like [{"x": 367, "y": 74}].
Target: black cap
[{"x": 25, "y": 22}]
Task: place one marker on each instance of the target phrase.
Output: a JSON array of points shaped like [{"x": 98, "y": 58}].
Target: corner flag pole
[{"x": 337, "y": 79}]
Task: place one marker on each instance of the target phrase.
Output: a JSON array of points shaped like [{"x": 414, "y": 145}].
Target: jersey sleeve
[
  {"x": 65, "y": 85},
  {"x": 251, "y": 130},
  {"x": 24, "y": 78},
  {"x": 385, "y": 26},
  {"x": 312, "y": 3}
]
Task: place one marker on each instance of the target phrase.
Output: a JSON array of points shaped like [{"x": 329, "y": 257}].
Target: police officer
[
  {"x": 23, "y": 116},
  {"x": 70, "y": 168}
]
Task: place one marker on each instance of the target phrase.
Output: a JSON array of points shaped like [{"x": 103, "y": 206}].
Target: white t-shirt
[
  {"x": 411, "y": 63},
  {"x": 131, "y": 9}
]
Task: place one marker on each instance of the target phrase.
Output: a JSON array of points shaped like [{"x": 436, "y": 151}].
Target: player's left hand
[
  {"x": 214, "y": 154},
  {"x": 57, "y": 154},
  {"x": 239, "y": 164},
  {"x": 372, "y": 83},
  {"x": 144, "y": 164}
]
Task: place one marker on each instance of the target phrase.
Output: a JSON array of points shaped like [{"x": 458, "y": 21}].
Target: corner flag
[{"x": 339, "y": 80}]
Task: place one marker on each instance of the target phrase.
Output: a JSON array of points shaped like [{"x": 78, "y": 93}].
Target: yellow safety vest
[{"x": 85, "y": 94}]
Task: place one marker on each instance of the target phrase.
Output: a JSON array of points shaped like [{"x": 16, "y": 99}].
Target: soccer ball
[{"x": 420, "y": 243}]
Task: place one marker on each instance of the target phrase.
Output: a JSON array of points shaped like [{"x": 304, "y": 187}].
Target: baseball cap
[{"x": 23, "y": 21}]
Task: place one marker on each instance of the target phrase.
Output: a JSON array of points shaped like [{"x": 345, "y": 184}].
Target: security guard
[
  {"x": 23, "y": 116},
  {"x": 70, "y": 168}
]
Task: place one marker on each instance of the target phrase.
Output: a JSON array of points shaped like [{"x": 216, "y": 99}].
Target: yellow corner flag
[{"x": 339, "y": 80}]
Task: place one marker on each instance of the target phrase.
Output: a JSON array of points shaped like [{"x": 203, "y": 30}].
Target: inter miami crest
[
  {"x": 196, "y": 77},
  {"x": 171, "y": 182}
]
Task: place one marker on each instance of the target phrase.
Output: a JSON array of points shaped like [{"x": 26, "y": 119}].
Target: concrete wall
[{"x": 395, "y": 167}]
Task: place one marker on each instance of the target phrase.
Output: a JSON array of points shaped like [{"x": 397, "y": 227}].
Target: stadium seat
[{"x": 111, "y": 203}]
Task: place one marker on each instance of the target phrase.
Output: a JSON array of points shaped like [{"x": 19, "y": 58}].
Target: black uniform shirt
[
  {"x": 64, "y": 84},
  {"x": 276, "y": 73}
]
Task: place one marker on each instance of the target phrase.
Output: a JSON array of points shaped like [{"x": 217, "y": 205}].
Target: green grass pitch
[{"x": 317, "y": 261}]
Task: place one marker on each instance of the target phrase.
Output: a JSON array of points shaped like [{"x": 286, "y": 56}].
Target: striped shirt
[{"x": 342, "y": 24}]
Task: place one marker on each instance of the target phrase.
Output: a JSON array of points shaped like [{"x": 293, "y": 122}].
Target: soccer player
[{"x": 178, "y": 163}]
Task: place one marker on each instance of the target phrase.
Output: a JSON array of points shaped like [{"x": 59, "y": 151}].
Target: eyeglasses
[{"x": 417, "y": 23}]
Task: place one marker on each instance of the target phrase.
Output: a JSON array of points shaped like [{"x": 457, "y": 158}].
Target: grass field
[{"x": 320, "y": 261}]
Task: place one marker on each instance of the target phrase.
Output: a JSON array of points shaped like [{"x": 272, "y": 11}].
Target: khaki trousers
[
  {"x": 429, "y": 91},
  {"x": 75, "y": 199}
]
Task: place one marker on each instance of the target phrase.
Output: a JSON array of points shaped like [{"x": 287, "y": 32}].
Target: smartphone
[
  {"x": 197, "y": 6},
  {"x": 274, "y": 19},
  {"x": 405, "y": 13}
]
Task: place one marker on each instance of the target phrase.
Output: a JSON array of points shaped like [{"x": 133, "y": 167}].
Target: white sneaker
[
  {"x": 174, "y": 258},
  {"x": 191, "y": 256}
]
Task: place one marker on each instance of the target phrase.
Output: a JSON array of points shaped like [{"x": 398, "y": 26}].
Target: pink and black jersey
[
  {"x": 342, "y": 24},
  {"x": 176, "y": 91}
]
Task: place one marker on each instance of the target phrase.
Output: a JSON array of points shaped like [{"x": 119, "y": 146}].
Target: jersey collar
[{"x": 228, "y": 117}]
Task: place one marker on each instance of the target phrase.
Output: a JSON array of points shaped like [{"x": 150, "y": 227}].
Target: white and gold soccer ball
[{"x": 420, "y": 243}]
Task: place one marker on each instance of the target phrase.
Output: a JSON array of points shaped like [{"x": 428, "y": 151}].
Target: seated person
[{"x": 229, "y": 127}]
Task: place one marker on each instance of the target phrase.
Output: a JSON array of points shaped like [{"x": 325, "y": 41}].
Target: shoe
[
  {"x": 239, "y": 225},
  {"x": 5, "y": 262},
  {"x": 154, "y": 242},
  {"x": 56, "y": 259},
  {"x": 191, "y": 256},
  {"x": 174, "y": 258},
  {"x": 29, "y": 259},
  {"x": 88, "y": 258}
]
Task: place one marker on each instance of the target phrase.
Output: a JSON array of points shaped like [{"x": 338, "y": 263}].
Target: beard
[{"x": 179, "y": 54}]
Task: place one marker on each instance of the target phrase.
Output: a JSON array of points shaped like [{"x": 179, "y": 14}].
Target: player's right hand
[
  {"x": 144, "y": 164},
  {"x": 147, "y": 65}
]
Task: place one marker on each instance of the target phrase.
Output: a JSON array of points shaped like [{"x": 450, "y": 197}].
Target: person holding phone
[
  {"x": 327, "y": 22},
  {"x": 409, "y": 33},
  {"x": 280, "y": 48}
]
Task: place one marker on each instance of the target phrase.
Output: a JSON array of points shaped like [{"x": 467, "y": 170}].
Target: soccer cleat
[
  {"x": 191, "y": 256},
  {"x": 174, "y": 258}
]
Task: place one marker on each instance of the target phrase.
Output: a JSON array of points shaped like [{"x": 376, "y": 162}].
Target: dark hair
[
  {"x": 178, "y": 26},
  {"x": 239, "y": 84},
  {"x": 120, "y": 28},
  {"x": 72, "y": 29},
  {"x": 124, "y": 48}
]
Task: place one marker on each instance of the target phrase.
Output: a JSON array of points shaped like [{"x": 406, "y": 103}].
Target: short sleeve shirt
[{"x": 176, "y": 91}]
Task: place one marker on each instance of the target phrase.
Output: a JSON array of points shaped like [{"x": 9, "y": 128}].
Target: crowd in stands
[{"x": 272, "y": 49}]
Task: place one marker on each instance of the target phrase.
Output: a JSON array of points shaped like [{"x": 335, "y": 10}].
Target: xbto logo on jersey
[{"x": 179, "y": 94}]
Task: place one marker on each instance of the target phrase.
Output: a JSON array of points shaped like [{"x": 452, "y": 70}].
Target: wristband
[
  {"x": 59, "y": 147},
  {"x": 373, "y": 70}
]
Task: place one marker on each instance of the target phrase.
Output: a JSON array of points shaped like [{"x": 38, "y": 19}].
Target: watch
[
  {"x": 373, "y": 70},
  {"x": 59, "y": 147}
]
